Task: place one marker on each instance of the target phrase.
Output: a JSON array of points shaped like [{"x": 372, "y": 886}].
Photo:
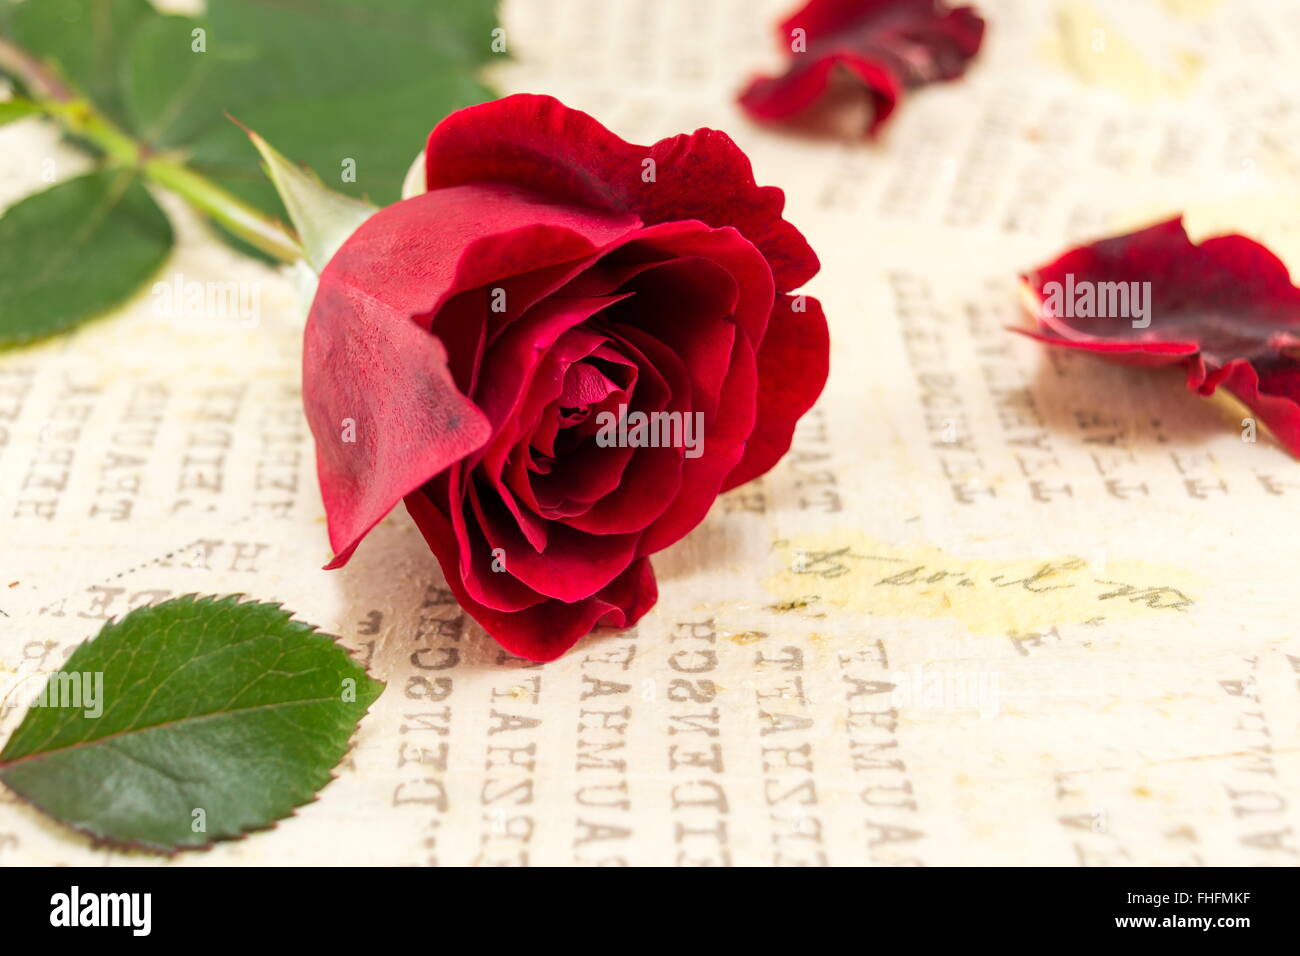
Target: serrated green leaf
[
  {"x": 76, "y": 250},
  {"x": 322, "y": 218},
  {"x": 87, "y": 39},
  {"x": 214, "y": 711},
  {"x": 347, "y": 87}
]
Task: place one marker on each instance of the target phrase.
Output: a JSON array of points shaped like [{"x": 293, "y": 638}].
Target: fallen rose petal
[
  {"x": 1225, "y": 309},
  {"x": 1271, "y": 389},
  {"x": 889, "y": 46}
]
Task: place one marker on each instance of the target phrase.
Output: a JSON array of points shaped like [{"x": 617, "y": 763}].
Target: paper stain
[
  {"x": 857, "y": 573},
  {"x": 1191, "y": 9},
  {"x": 745, "y": 637},
  {"x": 1094, "y": 52},
  {"x": 784, "y": 607}
]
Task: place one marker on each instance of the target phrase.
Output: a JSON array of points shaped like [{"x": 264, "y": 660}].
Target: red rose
[{"x": 494, "y": 347}]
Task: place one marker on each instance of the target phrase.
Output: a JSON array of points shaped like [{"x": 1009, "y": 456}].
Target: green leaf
[
  {"x": 218, "y": 718},
  {"x": 87, "y": 39},
  {"x": 322, "y": 218},
  {"x": 348, "y": 87},
  {"x": 17, "y": 109},
  {"x": 76, "y": 250},
  {"x": 195, "y": 96}
]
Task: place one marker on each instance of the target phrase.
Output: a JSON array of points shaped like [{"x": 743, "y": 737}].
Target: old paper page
[{"x": 998, "y": 606}]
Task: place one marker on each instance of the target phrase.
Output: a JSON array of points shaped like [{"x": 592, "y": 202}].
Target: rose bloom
[{"x": 467, "y": 348}]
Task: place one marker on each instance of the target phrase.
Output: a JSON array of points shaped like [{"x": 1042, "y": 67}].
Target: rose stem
[{"x": 54, "y": 97}]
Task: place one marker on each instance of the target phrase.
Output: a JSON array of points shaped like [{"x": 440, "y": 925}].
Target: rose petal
[
  {"x": 1146, "y": 354},
  {"x": 1228, "y": 296},
  {"x": 889, "y": 45},
  {"x": 724, "y": 444},
  {"x": 545, "y": 630},
  {"x": 652, "y": 477},
  {"x": 368, "y": 362},
  {"x": 585, "y": 474},
  {"x": 519, "y": 354},
  {"x": 793, "y": 362},
  {"x": 539, "y": 143},
  {"x": 512, "y": 360},
  {"x": 686, "y": 304},
  {"x": 574, "y": 563},
  {"x": 728, "y": 249},
  {"x": 585, "y": 384},
  {"x": 455, "y": 495},
  {"x": 1225, "y": 308},
  {"x": 1270, "y": 389}
]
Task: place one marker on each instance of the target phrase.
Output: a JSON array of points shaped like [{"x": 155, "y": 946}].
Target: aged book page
[{"x": 997, "y": 606}]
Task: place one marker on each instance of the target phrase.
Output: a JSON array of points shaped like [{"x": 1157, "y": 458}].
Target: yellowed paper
[{"x": 1117, "y": 683}]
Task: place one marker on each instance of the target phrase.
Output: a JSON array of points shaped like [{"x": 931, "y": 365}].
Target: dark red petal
[
  {"x": 1228, "y": 296},
  {"x": 1144, "y": 354},
  {"x": 585, "y": 384},
  {"x": 793, "y": 362},
  {"x": 652, "y": 478},
  {"x": 574, "y": 563},
  {"x": 724, "y": 444},
  {"x": 519, "y": 354},
  {"x": 457, "y": 496},
  {"x": 1226, "y": 309},
  {"x": 889, "y": 45},
  {"x": 1270, "y": 389},
  {"x": 781, "y": 97},
  {"x": 367, "y": 361},
  {"x": 468, "y": 321},
  {"x": 587, "y": 475},
  {"x": 538, "y": 143},
  {"x": 687, "y": 305},
  {"x": 726, "y": 248},
  {"x": 516, "y": 355},
  {"x": 545, "y": 630}
]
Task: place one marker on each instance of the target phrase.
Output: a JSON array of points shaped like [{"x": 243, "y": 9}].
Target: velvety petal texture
[
  {"x": 559, "y": 356},
  {"x": 1225, "y": 309},
  {"x": 886, "y": 46},
  {"x": 539, "y": 143},
  {"x": 383, "y": 409}
]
